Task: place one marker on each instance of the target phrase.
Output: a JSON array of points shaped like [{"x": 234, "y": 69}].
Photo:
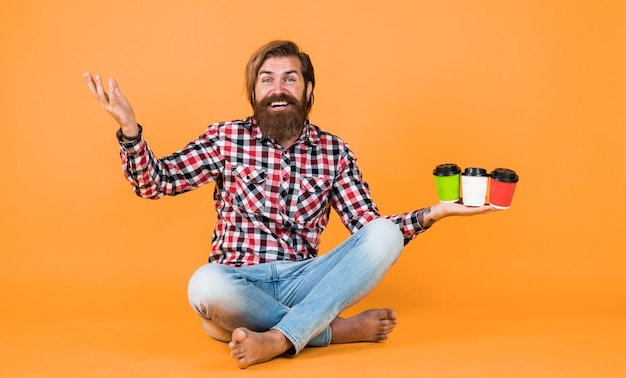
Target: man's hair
[{"x": 279, "y": 49}]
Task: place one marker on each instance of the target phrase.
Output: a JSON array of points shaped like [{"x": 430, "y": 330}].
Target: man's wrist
[
  {"x": 129, "y": 138},
  {"x": 436, "y": 212},
  {"x": 425, "y": 217}
]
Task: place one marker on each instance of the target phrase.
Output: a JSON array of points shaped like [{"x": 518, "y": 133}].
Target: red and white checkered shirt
[{"x": 272, "y": 203}]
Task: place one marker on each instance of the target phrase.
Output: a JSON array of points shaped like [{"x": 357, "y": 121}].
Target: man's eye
[
  {"x": 290, "y": 80},
  {"x": 266, "y": 80}
]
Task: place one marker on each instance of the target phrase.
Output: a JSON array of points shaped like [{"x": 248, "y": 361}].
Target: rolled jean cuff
[{"x": 321, "y": 340}]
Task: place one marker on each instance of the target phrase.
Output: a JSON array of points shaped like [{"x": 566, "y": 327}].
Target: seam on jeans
[
  {"x": 275, "y": 281},
  {"x": 239, "y": 271},
  {"x": 298, "y": 274}
]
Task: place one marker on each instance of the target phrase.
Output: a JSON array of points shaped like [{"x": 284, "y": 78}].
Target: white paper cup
[{"x": 474, "y": 182}]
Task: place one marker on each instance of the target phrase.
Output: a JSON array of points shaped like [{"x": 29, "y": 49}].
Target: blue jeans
[{"x": 300, "y": 299}]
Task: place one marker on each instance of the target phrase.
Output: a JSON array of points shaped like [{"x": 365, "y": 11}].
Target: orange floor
[{"x": 424, "y": 345}]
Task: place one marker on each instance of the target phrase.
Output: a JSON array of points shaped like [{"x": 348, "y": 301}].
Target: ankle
[{"x": 280, "y": 340}]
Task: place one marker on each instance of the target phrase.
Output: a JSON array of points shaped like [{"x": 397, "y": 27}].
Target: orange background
[{"x": 535, "y": 86}]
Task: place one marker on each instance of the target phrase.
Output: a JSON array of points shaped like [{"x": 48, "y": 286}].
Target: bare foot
[
  {"x": 371, "y": 325},
  {"x": 249, "y": 348}
]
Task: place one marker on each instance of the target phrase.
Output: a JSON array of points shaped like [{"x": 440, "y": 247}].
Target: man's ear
[{"x": 309, "y": 91}]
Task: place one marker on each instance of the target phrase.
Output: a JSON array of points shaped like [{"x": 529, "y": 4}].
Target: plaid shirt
[{"x": 272, "y": 203}]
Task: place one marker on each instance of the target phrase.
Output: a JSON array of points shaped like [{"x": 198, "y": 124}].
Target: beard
[{"x": 282, "y": 126}]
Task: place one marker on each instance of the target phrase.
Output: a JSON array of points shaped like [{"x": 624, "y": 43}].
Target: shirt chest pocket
[
  {"x": 312, "y": 198},
  {"x": 248, "y": 191}
]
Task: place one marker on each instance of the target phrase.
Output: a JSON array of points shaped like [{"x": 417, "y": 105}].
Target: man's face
[{"x": 280, "y": 98}]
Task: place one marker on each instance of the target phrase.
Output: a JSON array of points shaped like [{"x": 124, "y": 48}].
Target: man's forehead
[{"x": 281, "y": 65}]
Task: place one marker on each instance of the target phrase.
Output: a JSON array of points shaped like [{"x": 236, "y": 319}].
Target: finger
[
  {"x": 112, "y": 85},
  {"x": 486, "y": 209},
  {"x": 88, "y": 78},
  {"x": 90, "y": 83},
  {"x": 102, "y": 95},
  {"x": 471, "y": 210},
  {"x": 114, "y": 89}
]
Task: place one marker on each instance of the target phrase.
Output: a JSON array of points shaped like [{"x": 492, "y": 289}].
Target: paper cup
[
  {"x": 447, "y": 180},
  {"x": 502, "y": 187},
  {"x": 474, "y": 182}
]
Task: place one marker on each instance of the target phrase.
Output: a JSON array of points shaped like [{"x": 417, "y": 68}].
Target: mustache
[{"x": 281, "y": 97}]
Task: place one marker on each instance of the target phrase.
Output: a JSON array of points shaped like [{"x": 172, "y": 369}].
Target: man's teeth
[{"x": 278, "y": 103}]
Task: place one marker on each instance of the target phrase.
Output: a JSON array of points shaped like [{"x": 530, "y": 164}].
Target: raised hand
[{"x": 114, "y": 103}]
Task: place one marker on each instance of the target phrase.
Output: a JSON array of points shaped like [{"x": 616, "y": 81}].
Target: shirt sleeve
[
  {"x": 409, "y": 224},
  {"x": 352, "y": 200},
  {"x": 197, "y": 164},
  {"x": 350, "y": 196}
]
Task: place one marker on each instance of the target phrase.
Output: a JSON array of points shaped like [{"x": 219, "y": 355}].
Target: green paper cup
[{"x": 448, "y": 182}]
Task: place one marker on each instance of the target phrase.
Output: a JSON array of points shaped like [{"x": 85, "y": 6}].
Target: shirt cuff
[
  {"x": 132, "y": 147},
  {"x": 415, "y": 219}
]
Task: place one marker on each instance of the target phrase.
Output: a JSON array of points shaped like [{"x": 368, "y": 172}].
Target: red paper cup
[{"x": 502, "y": 187}]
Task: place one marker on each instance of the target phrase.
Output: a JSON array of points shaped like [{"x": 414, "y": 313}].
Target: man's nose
[{"x": 278, "y": 87}]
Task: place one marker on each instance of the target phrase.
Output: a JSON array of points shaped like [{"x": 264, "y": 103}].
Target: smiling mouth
[{"x": 278, "y": 104}]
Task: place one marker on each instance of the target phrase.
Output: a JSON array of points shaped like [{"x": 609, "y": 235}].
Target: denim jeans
[{"x": 300, "y": 299}]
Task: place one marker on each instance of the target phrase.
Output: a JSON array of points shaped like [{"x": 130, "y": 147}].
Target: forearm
[
  {"x": 189, "y": 168},
  {"x": 426, "y": 217},
  {"x": 138, "y": 164},
  {"x": 429, "y": 215},
  {"x": 415, "y": 222}
]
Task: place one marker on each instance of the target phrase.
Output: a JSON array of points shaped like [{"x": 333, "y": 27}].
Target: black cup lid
[
  {"x": 504, "y": 175},
  {"x": 472, "y": 171},
  {"x": 447, "y": 169}
]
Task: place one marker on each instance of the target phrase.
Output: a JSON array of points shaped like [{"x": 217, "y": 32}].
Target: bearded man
[{"x": 266, "y": 290}]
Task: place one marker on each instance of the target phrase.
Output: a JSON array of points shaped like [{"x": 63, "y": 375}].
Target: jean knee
[
  {"x": 205, "y": 287},
  {"x": 387, "y": 233},
  {"x": 385, "y": 240}
]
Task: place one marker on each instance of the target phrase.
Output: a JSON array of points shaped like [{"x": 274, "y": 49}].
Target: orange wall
[{"x": 526, "y": 85}]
